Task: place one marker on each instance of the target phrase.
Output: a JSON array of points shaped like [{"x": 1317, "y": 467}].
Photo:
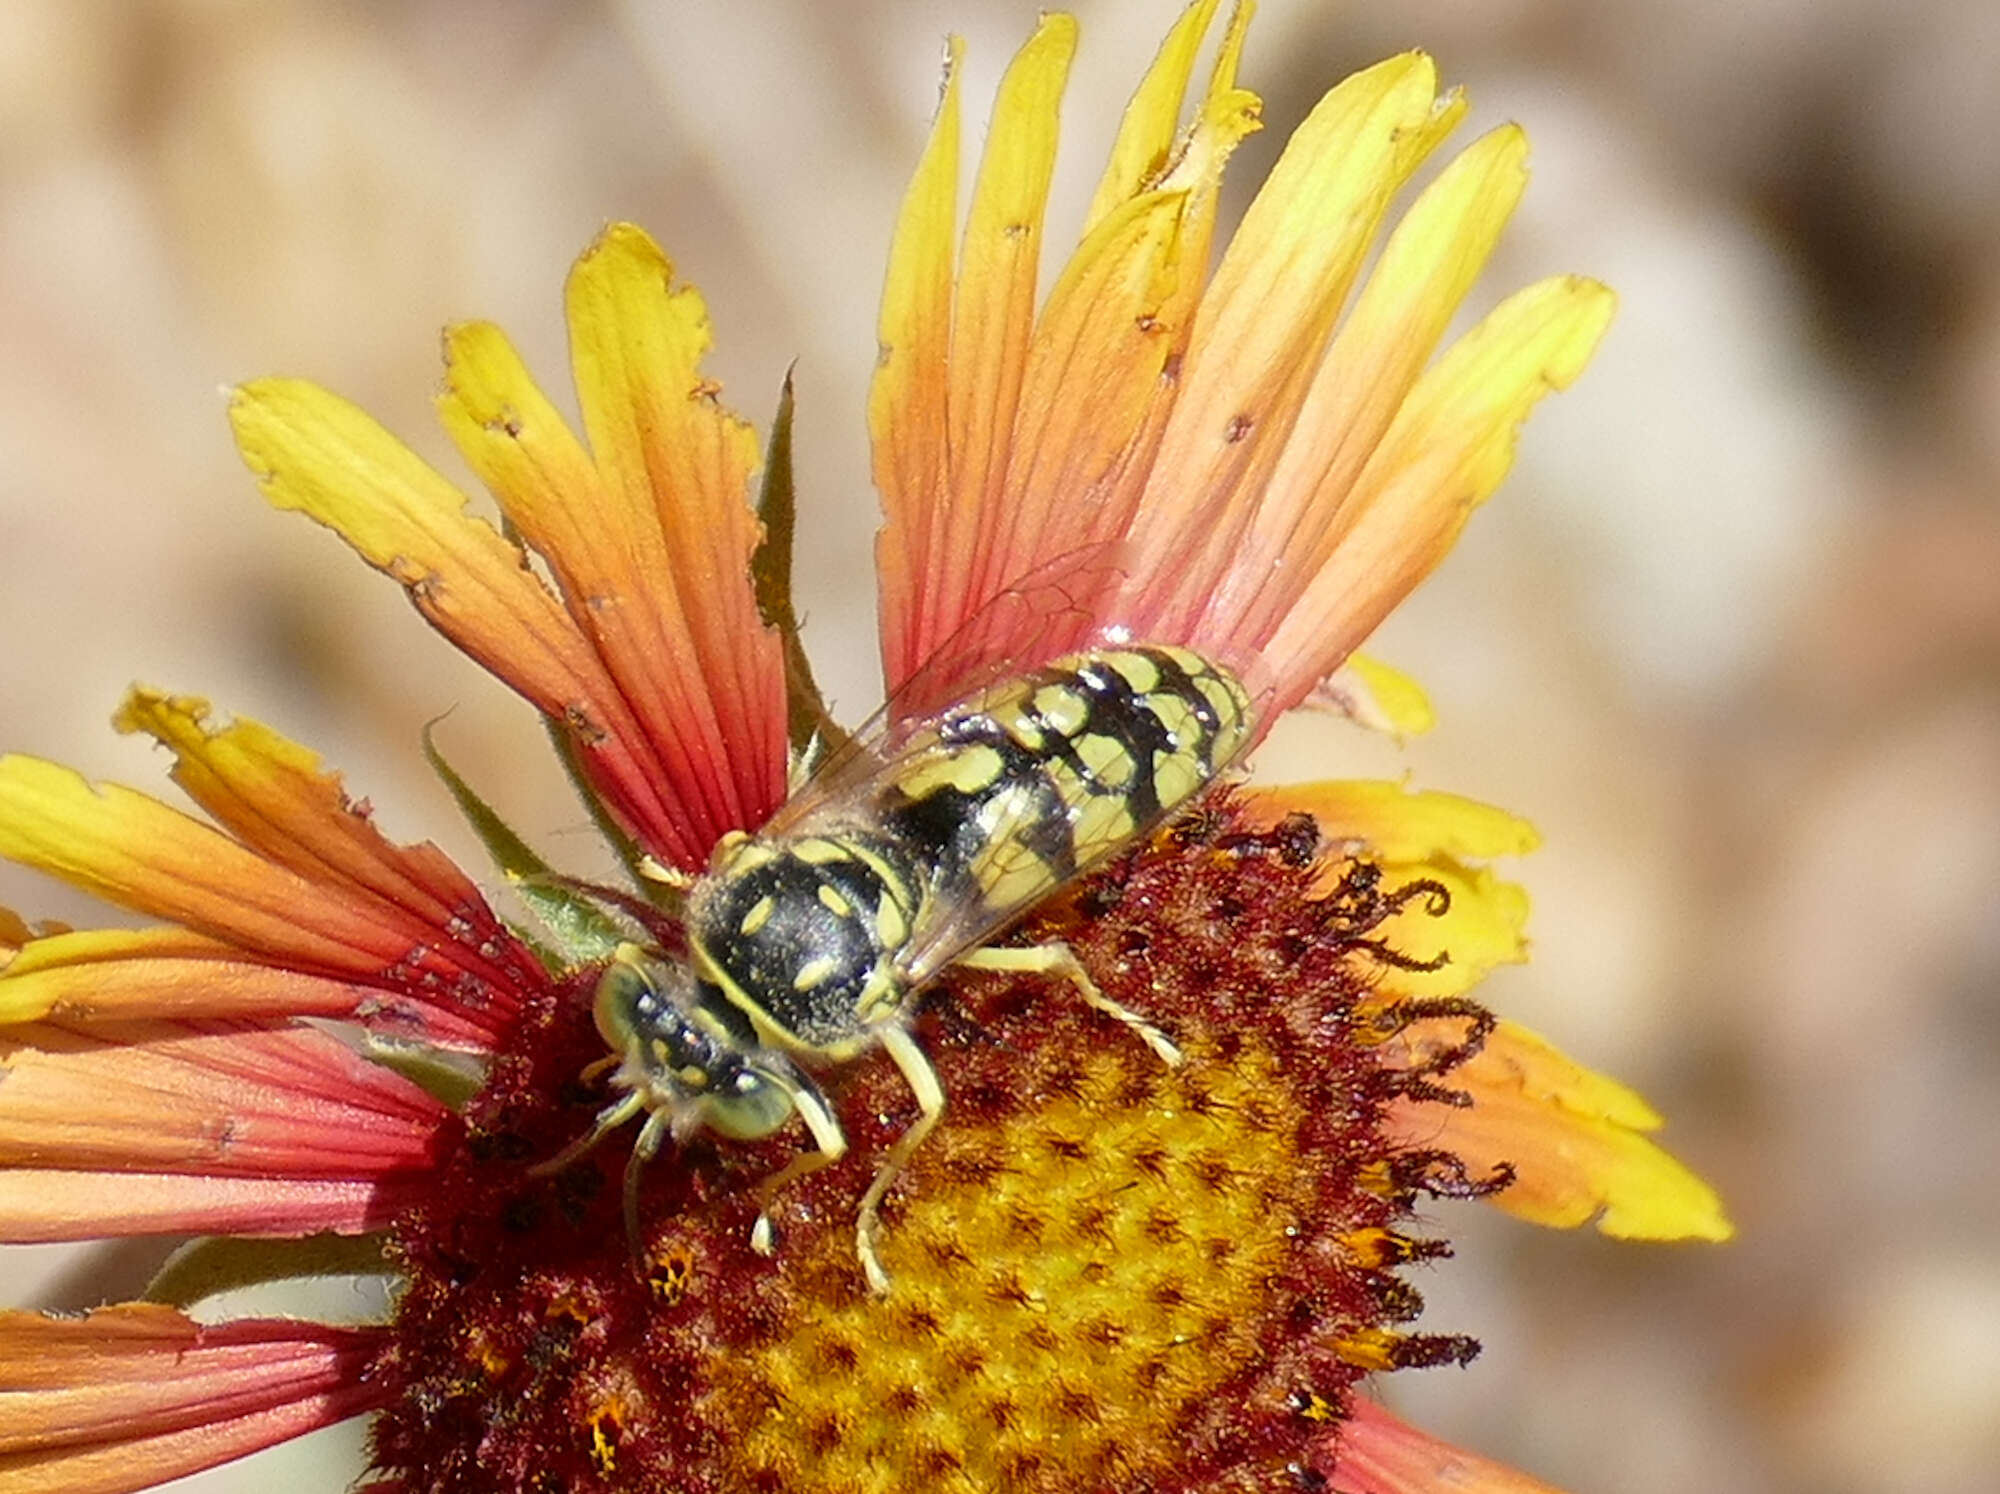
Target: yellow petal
[
  {"x": 909, "y": 395},
  {"x": 125, "y": 975},
  {"x": 1425, "y": 271},
  {"x": 1445, "y": 453},
  {"x": 1146, "y": 134},
  {"x": 309, "y": 885},
  {"x": 1264, "y": 320},
  {"x": 314, "y": 452},
  {"x": 280, "y": 800},
  {"x": 1400, "y": 824},
  {"x": 1422, "y": 838},
  {"x": 1378, "y": 696},
  {"x": 132, "y": 850},
  {"x": 1575, "y": 1139}
]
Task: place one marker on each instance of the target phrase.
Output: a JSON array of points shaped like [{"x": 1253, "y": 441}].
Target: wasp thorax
[{"x": 800, "y": 936}]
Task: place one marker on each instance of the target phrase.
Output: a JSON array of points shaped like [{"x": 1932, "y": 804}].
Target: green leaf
[
  {"x": 208, "y": 1267},
  {"x": 581, "y": 929},
  {"x": 771, "y": 575}
]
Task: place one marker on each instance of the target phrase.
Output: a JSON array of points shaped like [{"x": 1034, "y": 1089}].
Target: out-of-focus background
[{"x": 1731, "y": 635}]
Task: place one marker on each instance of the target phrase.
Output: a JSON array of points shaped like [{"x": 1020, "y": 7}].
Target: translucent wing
[
  {"x": 1042, "y": 615},
  {"x": 1042, "y": 778}
]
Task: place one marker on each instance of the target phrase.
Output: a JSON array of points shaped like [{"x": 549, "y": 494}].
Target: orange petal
[
  {"x": 314, "y": 452},
  {"x": 994, "y": 312},
  {"x": 47, "y": 1205},
  {"x": 348, "y": 907},
  {"x": 1375, "y": 1453},
  {"x": 134, "y": 1395},
  {"x": 1446, "y": 451},
  {"x": 280, "y": 801},
  {"x": 700, "y": 670},
  {"x": 1575, "y": 1139},
  {"x": 910, "y": 394},
  {"x": 285, "y": 1108}
]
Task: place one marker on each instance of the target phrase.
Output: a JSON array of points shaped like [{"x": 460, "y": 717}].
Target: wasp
[{"x": 809, "y": 942}]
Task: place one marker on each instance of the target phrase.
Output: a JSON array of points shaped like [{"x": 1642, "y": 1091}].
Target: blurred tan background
[{"x": 1731, "y": 636}]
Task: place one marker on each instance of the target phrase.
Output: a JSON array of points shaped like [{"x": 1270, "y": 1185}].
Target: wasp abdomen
[{"x": 1013, "y": 793}]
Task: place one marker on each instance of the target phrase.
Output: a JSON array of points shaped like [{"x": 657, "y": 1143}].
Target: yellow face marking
[
  {"x": 759, "y": 915},
  {"x": 1176, "y": 777},
  {"x": 693, "y": 1076},
  {"x": 812, "y": 972},
  {"x": 1062, "y": 709},
  {"x": 1177, "y": 716},
  {"x": 1104, "y": 821},
  {"x": 891, "y": 927},
  {"x": 831, "y": 900},
  {"x": 966, "y": 769},
  {"x": 1138, "y": 671},
  {"x": 1108, "y": 760}
]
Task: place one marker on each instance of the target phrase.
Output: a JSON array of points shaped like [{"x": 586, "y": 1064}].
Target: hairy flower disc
[{"x": 1105, "y": 1271}]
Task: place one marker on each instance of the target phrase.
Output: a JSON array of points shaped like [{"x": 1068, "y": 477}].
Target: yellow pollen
[{"x": 1068, "y": 1288}]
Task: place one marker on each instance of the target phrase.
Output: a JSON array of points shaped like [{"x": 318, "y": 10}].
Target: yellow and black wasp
[{"x": 809, "y": 941}]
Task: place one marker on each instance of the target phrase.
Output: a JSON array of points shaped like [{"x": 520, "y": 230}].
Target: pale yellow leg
[
  {"x": 1059, "y": 959},
  {"x": 923, "y": 1081},
  {"x": 671, "y": 877},
  {"x": 829, "y": 1146}
]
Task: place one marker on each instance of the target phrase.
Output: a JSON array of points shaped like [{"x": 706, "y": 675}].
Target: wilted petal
[{"x": 316, "y": 888}]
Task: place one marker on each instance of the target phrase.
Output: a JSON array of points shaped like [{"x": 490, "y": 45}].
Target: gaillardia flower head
[{"x": 1019, "y": 1105}]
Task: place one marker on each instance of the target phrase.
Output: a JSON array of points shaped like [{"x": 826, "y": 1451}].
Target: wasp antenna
[
  {"x": 643, "y": 1151},
  {"x": 608, "y": 1120}
]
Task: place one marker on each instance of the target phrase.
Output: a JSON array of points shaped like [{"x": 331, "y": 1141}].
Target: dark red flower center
[{"x": 1106, "y": 1272}]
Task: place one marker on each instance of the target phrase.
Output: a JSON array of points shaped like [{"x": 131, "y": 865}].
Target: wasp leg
[
  {"x": 670, "y": 877},
  {"x": 923, "y": 1081},
  {"x": 1060, "y": 960},
  {"x": 829, "y": 1146}
]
